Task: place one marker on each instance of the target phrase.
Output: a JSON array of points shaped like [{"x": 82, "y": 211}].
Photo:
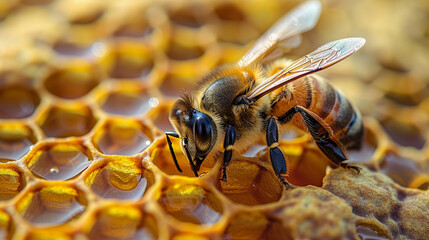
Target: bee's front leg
[
  {"x": 277, "y": 158},
  {"x": 228, "y": 144}
]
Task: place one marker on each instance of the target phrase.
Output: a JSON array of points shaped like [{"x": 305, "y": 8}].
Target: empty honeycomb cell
[
  {"x": 52, "y": 205},
  {"x": 66, "y": 49},
  {"x": 249, "y": 184},
  {"x": 121, "y": 179},
  {"x": 367, "y": 150},
  {"x": 124, "y": 222},
  {"x": 404, "y": 134},
  {"x": 69, "y": 50},
  {"x": 246, "y": 225},
  {"x": 181, "y": 52},
  {"x": 230, "y": 12},
  {"x": 190, "y": 203},
  {"x": 80, "y": 12},
  {"x": 136, "y": 27},
  {"x": 16, "y": 140},
  {"x": 124, "y": 137},
  {"x": 404, "y": 171},
  {"x": 59, "y": 160},
  {"x": 191, "y": 16},
  {"x": 67, "y": 120},
  {"x": 12, "y": 181},
  {"x": 128, "y": 99},
  {"x": 174, "y": 85},
  {"x": 162, "y": 158},
  {"x": 17, "y": 101},
  {"x": 127, "y": 59},
  {"x": 161, "y": 119},
  {"x": 402, "y": 87},
  {"x": 72, "y": 81},
  {"x": 236, "y": 32},
  {"x": 307, "y": 166}
]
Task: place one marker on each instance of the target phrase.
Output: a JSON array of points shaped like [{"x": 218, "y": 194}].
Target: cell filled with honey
[
  {"x": 122, "y": 137},
  {"x": 52, "y": 205},
  {"x": 16, "y": 140},
  {"x": 122, "y": 180},
  {"x": 191, "y": 203},
  {"x": 60, "y": 160}
]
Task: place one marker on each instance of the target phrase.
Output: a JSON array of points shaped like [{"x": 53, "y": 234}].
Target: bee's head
[{"x": 196, "y": 129}]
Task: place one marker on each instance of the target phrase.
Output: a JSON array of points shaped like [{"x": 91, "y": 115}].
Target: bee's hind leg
[
  {"x": 277, "y": 158},
  {"x": 321, "y": 136}
]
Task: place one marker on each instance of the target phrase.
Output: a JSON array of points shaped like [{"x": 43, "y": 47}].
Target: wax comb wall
[{"x": 85, "y": 90}]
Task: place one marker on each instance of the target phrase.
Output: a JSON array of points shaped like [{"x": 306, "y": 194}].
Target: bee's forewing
[
  {"x": 301, "y": 19},
  {"x": 321, "y": 58}
]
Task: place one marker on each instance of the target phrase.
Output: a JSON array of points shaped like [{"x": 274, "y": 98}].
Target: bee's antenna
[
  {"x": 185, "y": 143},
  {"x": 170, "y": 146}
]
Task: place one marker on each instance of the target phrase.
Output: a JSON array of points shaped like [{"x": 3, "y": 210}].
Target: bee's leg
[
  {"x": 170, "y": 146},
  {"x": 228, "y": 143},
  {"x": 277, "y": 158},
  {"x": 321, "y": 136}
]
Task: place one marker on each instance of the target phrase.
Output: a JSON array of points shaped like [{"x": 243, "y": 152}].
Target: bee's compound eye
[
  {"x": 203, "y": 129},
  {"x": 203, "y": 133}
]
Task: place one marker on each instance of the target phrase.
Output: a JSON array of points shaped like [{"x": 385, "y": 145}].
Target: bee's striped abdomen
[
  {"x": 330, "y": 105},
  {"x": 344, "y": 120}
]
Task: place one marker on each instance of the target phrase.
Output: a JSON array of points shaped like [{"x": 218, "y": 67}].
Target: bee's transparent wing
[
  {"x": 323, "y": 57},
  {"x": 301, "y": 19}
]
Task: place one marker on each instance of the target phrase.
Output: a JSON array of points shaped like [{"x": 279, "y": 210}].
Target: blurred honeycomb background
[{"x": 85, "y": 90}]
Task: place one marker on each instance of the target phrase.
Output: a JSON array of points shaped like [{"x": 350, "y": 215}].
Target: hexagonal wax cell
[
  {"x": 128, "y": 60},
  {"x": 12, "y": 182},
  {"x": 120, "y": 180},
  {"x": 72, "y": 81},
  {"x": 16, "y": 140},
  {"x": 122, "y": 137},
  {"x": 190, "y": 203},
  {"x": 17, "y": 101},
  {"x": 128, "y": 100},
  {"x": 67, "y": 120},
  {"x": 52, "y": 205},
  {"x": 124, "y": 222},
  {"x": 59, "y": 160},
  {"x": 250, "y": 184}
]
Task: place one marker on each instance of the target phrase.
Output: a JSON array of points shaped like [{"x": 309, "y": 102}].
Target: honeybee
[{"x": 237, "y": 104}]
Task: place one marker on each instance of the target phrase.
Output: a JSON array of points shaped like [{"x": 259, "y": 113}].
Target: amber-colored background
[{"x": 85, "y": 90}]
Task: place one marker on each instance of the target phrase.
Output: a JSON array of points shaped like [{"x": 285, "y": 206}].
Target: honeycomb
[{"x": 85, "y": 90}]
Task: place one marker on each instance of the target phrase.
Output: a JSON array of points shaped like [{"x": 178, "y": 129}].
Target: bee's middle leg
[
  {"x": 227, "y": 144},
  {"x": 277, "y": 158}
]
